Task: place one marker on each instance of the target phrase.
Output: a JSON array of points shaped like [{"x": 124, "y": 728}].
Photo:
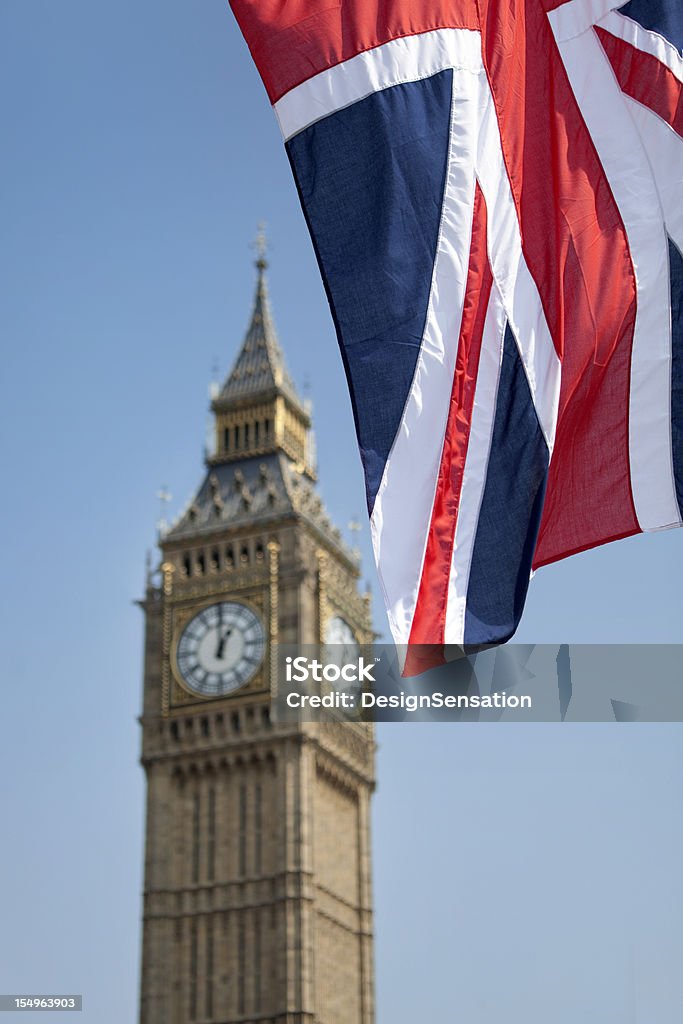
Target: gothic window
[
  {"x": 267, "y": 429},
  {"x": 186, "y": 565},
  {"x": 243, "y": 831},
  {"x": 241, "y": 966},
  {"x": 257, "y": 962},
  {"x": 244, "y": 553},
  {"x": 246, "y": 435},
  {"x": 209, "y": 967},
  {"x": 237, "y": 438},
  {"x": 229, "y": 557},
  {"x": 235, "y": 721},
  {"x": 193, "y": 971},
  {"x": 205, "y": 726},
  {"x": 201, "y": 563},
  {"x": 257, "y": 829},
  {"x": 256, "y": 433},
  {"x": 195, "y": 836},
  {"x": 259, "y": 552},
  {"x": 174, "y": 731},
  {"x": 215, "y": 554},
  {"x": 211, "y": 845},
  {"x": 226, "y": 439}
]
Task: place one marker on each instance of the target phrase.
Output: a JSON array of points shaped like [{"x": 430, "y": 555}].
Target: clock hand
[{"x": 221, "y": 645}]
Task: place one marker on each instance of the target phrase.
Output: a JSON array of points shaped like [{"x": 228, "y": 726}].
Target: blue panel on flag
[
  {"x": 511, "y": 509},
  {"x": 371, "y": 180},
  {"x": 662, "y": 16},
  {"x": 676, "y": 271}
]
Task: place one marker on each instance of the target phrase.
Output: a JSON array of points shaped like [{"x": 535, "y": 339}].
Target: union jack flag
[{"x": 493, "y": 190}]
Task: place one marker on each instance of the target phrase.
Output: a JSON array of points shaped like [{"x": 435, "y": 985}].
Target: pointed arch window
[
  {"x": 209, "y": 968},
  {"x": 243, "y": 830},
  {"x": 196, "y": 836},
  {"x": 211, "y": 844},
  {"x": 193, "y": 970},
  {"x": 258, "y": 831},
  {"x": 241, "y": 966},
  {"x": 257, "y": 961}
]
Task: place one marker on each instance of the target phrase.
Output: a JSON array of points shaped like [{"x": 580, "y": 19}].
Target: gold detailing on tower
[
  {"x": 323, "y": 611},
  {"x": 274, "y": 567},
  {"x": 167, "y": 569}
]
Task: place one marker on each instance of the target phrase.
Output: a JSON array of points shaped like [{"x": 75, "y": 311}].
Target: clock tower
[{"x": 257, "y": 892}]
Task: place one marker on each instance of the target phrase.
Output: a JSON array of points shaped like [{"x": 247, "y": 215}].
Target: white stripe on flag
[
  {"x": 664, "y": 149},
  {"x": 512, "y": 275},
  {"x": 649, "y": 42},
  {"x": 625, "y": 162},
  {"x": 576, "y": 16},
  {"x": 402, "y": 512},
  {"x": 476, "y": 465},
  {"x": 395, "y": 63}
]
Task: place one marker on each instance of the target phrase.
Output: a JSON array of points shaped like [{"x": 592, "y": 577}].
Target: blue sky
[{"x": 523, "y": 874}]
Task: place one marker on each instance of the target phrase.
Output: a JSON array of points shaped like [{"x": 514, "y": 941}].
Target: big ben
[{"x": 257, "y": 891}]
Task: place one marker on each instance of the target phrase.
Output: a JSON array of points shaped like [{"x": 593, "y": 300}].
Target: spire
[
  {"x": 258, "y": 410},
  {"x": 260, "y": 365}
]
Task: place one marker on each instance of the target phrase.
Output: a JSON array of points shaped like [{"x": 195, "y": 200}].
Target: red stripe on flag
[
  {"x": 576, "y": 248},
  {"x": 294, "y": 40},
  {"x": 429, "y": 621},
  {"x": 645, "y": 79}
]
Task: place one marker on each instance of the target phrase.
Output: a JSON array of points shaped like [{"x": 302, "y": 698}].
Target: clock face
[
  {"x": 342, "y": 644},
  {"x": 220, "y": 649}
]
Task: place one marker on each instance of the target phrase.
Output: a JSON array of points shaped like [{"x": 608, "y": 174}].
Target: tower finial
[
  {"x": 164, "y": 498},
  {"x": 261, "y": 246}
]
